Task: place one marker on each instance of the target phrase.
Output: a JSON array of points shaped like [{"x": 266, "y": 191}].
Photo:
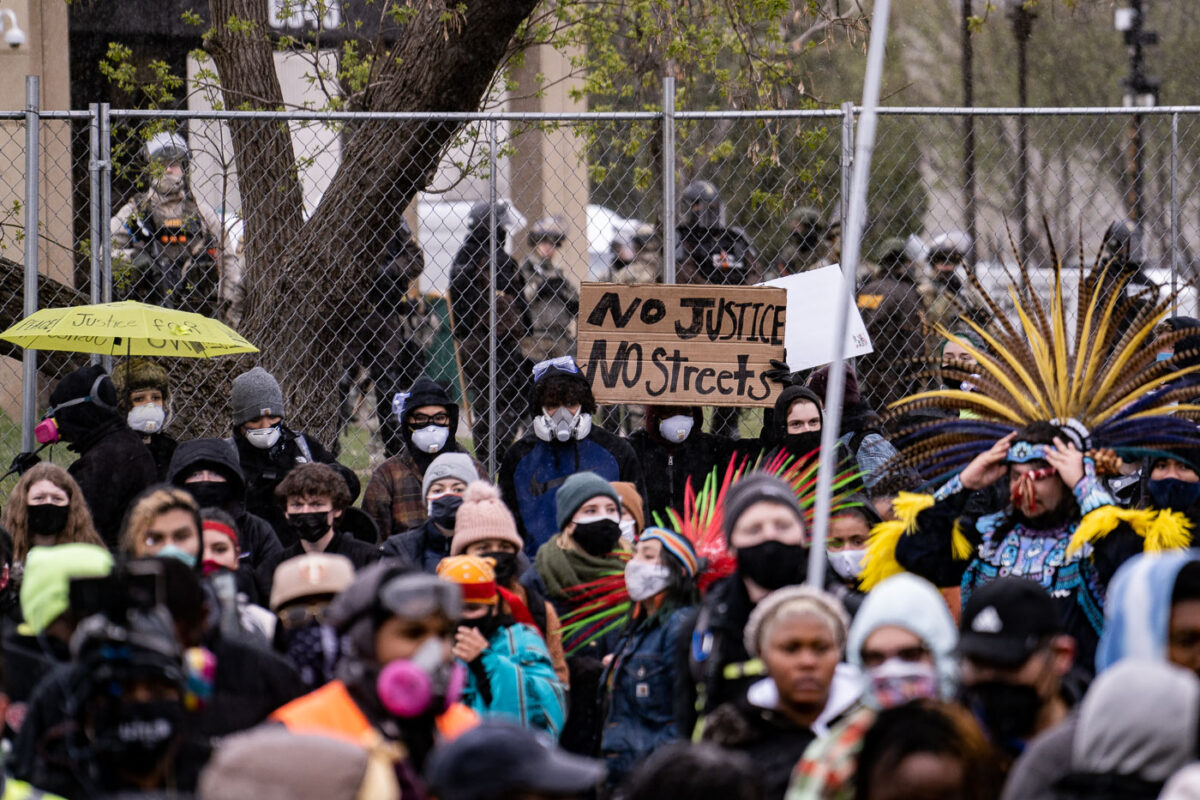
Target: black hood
[
  {"x": 656, "y": 414},
  {"x": 215, "y": 454},
  {"x": 784, "y": 402},
  {"x": 427, "y": 392},
  {"x": 82, "y": 423}
]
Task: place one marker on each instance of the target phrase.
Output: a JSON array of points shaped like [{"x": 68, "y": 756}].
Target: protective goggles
[
  {"x": 561, "y": 364},
  {"x": 416, "y": 596}
]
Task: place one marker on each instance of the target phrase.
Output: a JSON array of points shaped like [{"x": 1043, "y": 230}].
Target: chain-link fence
[{"x": 302, "y": 240}]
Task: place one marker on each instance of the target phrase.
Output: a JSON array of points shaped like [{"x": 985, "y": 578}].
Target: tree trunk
[{"x": 306, "y": 280}]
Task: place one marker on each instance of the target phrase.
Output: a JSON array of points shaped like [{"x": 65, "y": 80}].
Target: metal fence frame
[{"x": 100, "y": 117}]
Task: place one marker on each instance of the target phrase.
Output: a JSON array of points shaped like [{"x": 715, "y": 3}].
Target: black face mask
[
  {"x": 141, "y": 736},
  {"x": 506, "y": 566},
  {"x": 487, "y": 626},
  {"x": 597, "y": 538},
  {"x": 47, "y": 519},
  {"x": 444, "y": 510},
  {"x": 1173, "y": 493},
  {"x": 773, "y": 565},
  {"x": 214, "y": 494},
  {"x": 309, "y": 525},
  {"x": 800, "y": 444},
  {"x": 1008, "y": 711}
]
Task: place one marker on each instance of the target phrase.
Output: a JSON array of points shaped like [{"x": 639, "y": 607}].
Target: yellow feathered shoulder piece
[
  {"x": 1161, "y": 530},
  {"x": 880, "y": 562}
]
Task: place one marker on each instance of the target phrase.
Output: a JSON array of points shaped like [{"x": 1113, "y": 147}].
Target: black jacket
[
  {"x": 256, "y": 537},
  {"x": 771, "y": 740},
  {"x": 251, "y": 682},
  {"x": 265, "y": 469},
  {"x": 667, "y": 467},
  {"x": 113, "y": 468},
  {"x": 342, "y": 544},
  {"x": 162, "y": 447},
  {"x": 717, "y": 639},
  {"x": 424, "y": 546}
]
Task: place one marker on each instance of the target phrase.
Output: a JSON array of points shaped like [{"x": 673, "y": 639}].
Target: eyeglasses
[
  {"x": 560, "y": 364},
  {"x": 299, "y": 616},
  {"x": 421, "y": 420},
  {"x": 875, "y": 658}
]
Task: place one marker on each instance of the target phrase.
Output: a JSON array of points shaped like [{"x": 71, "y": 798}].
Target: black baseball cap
[
  {"x": 1006, "y": 620},
  {"x": 498, "y": 758}
]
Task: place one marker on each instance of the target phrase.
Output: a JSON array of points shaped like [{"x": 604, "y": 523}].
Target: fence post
[
  {"x": 95, "y": 232},
  {"x": 1175, "y": 207},
  {"x": 668, "y": 178},
  {"x": 32, "y": 176},
  {"x": 847, "y": 163},
  {"x": 492, "y": 198},
  {"x": 105, "y": 179}
]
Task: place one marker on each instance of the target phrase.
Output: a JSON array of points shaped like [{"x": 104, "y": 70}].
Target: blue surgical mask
[
  {"x": 171, "y": 551},
  {"x": 1173, "y": 493},
  {"x": 1163, "y": 356}
]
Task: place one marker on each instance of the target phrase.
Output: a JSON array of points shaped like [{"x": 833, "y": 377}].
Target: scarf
[{"x": 562, "y": 570}]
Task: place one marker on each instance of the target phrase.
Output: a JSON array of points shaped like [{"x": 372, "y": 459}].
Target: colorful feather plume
[
  {"x": 702, "y": 518},
  {"x": 1098, "y": 376},
  {"x": 598, "y": 606}
]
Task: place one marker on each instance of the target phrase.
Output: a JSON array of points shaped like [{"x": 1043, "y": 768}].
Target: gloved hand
[
  {"x": 22, "y": 462},
  {"x": 781, "y": 373}
]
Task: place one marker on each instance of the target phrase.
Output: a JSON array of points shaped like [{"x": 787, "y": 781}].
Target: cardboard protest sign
[
  {"x": 812, "y": 299},
  {"x": 681, "y": 345}
]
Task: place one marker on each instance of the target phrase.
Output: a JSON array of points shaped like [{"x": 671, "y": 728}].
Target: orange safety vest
[{"x": 331, "y": 710}]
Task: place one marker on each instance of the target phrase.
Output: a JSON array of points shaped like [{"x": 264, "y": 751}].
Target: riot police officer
[
  {"x": 551, "y": 298},
  {"x": 1120, "y": 269},
  {"x": 174, "y": 248},
  {"x": 808, "y": 244},
  {"x": 706, "y": 251},
  {"x": 469, "y": 307},
  {"x": 893, "y": 309},
  {"x": 949, "y": 296}
]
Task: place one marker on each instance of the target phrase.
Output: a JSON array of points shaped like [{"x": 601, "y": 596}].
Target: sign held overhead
[{"x": 681, "y": 345}]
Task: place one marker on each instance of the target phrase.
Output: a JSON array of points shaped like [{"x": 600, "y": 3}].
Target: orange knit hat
[{"x": 475, "y": 575}]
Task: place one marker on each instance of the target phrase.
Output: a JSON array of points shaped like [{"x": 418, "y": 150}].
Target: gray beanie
[
  {"x": 577, "y": 490},
  {"x": 449, "y": 465},
  {"x": 256, "y": 394},
  {"x": 755, "y": 487}
]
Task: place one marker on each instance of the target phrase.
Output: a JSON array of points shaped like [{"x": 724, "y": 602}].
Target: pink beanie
[{"x": 483, "y": 515}]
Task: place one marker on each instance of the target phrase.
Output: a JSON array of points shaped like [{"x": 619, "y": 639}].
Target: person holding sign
[{"x": 560, "y": 442}]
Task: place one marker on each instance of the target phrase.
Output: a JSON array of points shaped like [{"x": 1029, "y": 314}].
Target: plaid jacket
[
  {"x": 393, "y": 497},
  {"x": 826, "y": 771}
]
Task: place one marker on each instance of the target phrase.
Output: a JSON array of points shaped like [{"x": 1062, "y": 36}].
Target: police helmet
[
  {"x": 166, "y": 147},
  {"x": 950, "y": 247},
  {"x": 702, "y": 205},
  {"x": 644, "y": 236},
  {"x": 548, "y": 229},
  {"x": 480, "y": 212}
]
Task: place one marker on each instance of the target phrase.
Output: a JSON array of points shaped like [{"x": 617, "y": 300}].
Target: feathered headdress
[
  {"x": 1097, "y": 379},
  {"x": 702, "y": 518}
]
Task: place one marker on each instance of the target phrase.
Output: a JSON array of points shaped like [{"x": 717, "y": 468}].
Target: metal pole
[
  {"x": 668, "y": 178},
  {"x": 1022, "y": 22},
  {"x": 95, "y": 231},
  {"x": 1175, "y": 206},
  {"x": 29, "y": 373},
  {"x": 1135, "y": 83},
  {"x": 847, "y": 161},
  {"x": 968, "y": 80},
  {"x": 492, "y": 245},
  {"x": 106, "y": 213},
  {"x": 864, "y": 146}
]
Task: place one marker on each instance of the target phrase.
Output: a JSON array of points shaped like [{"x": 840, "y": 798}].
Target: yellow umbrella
[{"x": 127, "y": 328}]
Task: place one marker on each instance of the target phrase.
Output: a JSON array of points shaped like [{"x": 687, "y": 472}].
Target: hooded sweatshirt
[
  {"x": 1137, "y": 611},
  {"x": 668, "y": 466},
  {"x": 114, "y": 466},
  {"x": 255, "y": 535},
  {"x": 1138, "y": 721}
]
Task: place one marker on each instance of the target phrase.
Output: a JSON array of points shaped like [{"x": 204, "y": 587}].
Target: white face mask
[
  {"x": 562, "y": 425},
  {"x": 847, "y": 563},
  {"x": 431, "y": 438},
  {"x": 677, "y": 428},
  {"x": 146, "y": 419},
  {"x": 644, "y": 580},
  {"x": 263, "y": 438},
  {"x": 628, "y": 529}
]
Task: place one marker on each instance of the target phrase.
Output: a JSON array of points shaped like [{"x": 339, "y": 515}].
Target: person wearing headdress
[{"x": 1046, "y": 406}]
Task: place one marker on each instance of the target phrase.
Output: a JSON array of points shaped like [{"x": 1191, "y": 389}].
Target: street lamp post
[
  {"x": 1141, "y": 91},
  {"x": 968, "y": 87},
  {"x": 1022, "y": 25}
]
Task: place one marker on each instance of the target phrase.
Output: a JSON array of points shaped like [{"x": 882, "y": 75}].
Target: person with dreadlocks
[{"x": 1044, "y": 407}]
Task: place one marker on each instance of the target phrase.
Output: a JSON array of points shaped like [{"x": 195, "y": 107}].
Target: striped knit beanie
[{"x": 677, "y": 545}]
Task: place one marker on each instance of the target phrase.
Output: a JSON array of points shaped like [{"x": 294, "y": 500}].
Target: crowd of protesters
[{"x": 613, "y": 616}]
